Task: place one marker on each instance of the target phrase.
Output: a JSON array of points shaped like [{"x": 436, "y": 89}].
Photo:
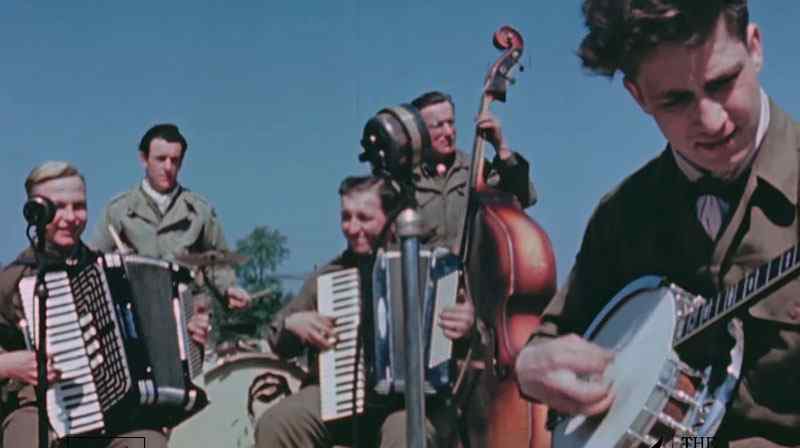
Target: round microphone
[
  {"x": 39, "y": 211},
  {"x": 394, "y": 140}
]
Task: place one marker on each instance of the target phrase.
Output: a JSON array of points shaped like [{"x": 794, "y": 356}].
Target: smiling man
[
  {"x": 720, "y": 200},
  {"x": 296, "y": 421},
  {"x": 160, "y": 218},
  {"x": 442, "y": 179},
  {"x": 65, "y": 187}
]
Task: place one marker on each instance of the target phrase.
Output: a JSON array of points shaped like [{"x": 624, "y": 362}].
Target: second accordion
[{"x": 344, "y": 375}]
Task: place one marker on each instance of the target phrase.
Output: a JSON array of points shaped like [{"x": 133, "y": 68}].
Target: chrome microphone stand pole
[{"x": 409, "y": 229}]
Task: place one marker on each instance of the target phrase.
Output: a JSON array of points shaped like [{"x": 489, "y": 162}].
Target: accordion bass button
[
  {"x": 85, "y": 320},
  {"x": 93, "y": 347},
  {"x": 95, "y": 362},
  {"x": 89, "y": 333}
]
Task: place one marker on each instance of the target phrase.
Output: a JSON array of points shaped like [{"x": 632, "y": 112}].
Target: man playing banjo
[{"x": 719, "y": 201}]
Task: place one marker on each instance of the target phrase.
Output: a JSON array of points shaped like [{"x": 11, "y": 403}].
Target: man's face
[
  {"x": 441, "y": 126},
  {"x": 69, "y": 196},
  {"x": 162, "y": 164},
  {"x": 705, "y": 99},
  {"x": 362, "y": 220}
]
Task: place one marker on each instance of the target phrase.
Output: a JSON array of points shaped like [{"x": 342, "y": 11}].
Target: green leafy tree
[{"x": 266, "y": 249}]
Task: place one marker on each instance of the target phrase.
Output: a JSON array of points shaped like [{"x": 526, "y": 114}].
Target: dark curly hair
[{"x": 622, "y": 32}]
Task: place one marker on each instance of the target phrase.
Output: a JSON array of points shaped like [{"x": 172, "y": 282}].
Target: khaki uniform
[
  {"x": 19, "y": 413},
  {"x": 648, "y": 225},
  {"x": 189, "y": 225},
  {"x": 442, "y": 200},
  {"x": 296, "y": 420}
]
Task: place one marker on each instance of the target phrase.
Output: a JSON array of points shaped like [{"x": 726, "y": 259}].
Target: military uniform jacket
[
  {"x": 648, "y": 225},
  {"x": 189, "y": 225},
  {"x": 442, "y": 200}
]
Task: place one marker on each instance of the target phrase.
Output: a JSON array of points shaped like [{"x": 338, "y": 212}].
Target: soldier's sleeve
[
  {"x": 590, "y": 283},
  {"x": 283, "y": 342},
  {"x": 512, "y": 175},
  {"x": 101, "y": 239},
  {"x": 10, "y": 335},
  {"x": 214, "y": 239}
]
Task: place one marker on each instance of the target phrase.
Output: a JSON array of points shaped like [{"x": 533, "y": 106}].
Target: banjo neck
[{"x": 757, "y": 284}]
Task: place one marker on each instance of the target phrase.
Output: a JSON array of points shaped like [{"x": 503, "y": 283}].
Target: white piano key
[
  {"x": 65, "y": 335},
  {"x": 71, "y": 389},
  {"x": 74, "y": 404},
  {"x": 88, "y": 425},
  {"x": 73, "y": 364},
  {"x": 55, "y": 321},
  {"x": 81, "y": 379},
  {"x": 76, "y": 374},
  {"x": 65, "y": 346},
  {"x": 66, "y": 356},
  {"x": 60, "y": 301},
  {"x": 59, "y": 310}
]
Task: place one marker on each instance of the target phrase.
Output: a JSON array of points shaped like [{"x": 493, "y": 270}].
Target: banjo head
[{"x": 638, "y": 325}]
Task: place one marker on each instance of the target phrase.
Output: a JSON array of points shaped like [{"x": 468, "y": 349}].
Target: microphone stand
[
  {"x": 40, "y": 291},
  {"x": 409, "y": 229}
]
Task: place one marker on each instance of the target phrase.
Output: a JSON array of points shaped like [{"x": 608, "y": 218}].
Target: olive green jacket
[
  {"x": 442, "y": 200},
  {"x": 190, "y": 225}
]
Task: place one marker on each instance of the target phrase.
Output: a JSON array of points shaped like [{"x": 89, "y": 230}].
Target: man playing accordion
[
  {"x": 65, "y": 186},
  {"x": 296, "y": 421}
]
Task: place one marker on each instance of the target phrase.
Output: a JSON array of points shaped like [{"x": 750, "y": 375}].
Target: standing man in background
[{"x": 160, "y": 218}]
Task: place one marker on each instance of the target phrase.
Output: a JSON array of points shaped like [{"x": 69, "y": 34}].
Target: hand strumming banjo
[{"x": 663, "y": 398}]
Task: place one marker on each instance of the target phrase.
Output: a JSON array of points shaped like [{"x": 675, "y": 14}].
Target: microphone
[
  {"x": 39, "y": 211},
  {"x": 394, "y": 140}
]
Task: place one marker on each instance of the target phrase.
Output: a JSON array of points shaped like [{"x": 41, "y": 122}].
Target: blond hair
[{"x": 48, "y": 171}]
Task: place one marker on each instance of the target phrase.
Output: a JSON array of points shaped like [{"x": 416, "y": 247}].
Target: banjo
[{"x": 667, "y": 399}]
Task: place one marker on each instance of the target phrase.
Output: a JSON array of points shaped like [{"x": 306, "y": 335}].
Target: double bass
[{"x": 509, "y": 269}]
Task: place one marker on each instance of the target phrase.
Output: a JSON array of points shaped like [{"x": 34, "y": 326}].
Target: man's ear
[
  {"x": 754, "y": 46},
  {"x": 143, "y": 159},
  {"x": 636, "y": 93}
]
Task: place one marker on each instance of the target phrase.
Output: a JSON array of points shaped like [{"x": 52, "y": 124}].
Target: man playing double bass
[
  {"x": 442, "y": 179},
  {"x": 442, "y": 182},
  {"x": 720, "y": 200}
]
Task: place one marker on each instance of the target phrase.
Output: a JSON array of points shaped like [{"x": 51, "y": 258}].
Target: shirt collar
[{"x": 162, "y": 200}]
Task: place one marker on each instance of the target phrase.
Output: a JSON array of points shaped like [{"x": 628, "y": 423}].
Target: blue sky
[{"x": 273, "y": 96}]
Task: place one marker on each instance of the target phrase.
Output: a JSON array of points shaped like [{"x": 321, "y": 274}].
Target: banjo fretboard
[{"x": 755, "y": 285}]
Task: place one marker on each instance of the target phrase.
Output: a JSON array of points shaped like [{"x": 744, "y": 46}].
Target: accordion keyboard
[
  {"x": 339, "y": 296},
  {"x": 85, "y": 347}
]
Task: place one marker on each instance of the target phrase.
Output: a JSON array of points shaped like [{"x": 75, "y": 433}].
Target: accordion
[
  {"x": 116, "y": 329},
  {"x": 339, "y": 296}
]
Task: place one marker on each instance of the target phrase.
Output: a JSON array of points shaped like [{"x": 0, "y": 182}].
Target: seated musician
[
  {"x": 296, "y": 421},
  {"x": 718, "y": 202},
  {"x": 65, "y": 186}
]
